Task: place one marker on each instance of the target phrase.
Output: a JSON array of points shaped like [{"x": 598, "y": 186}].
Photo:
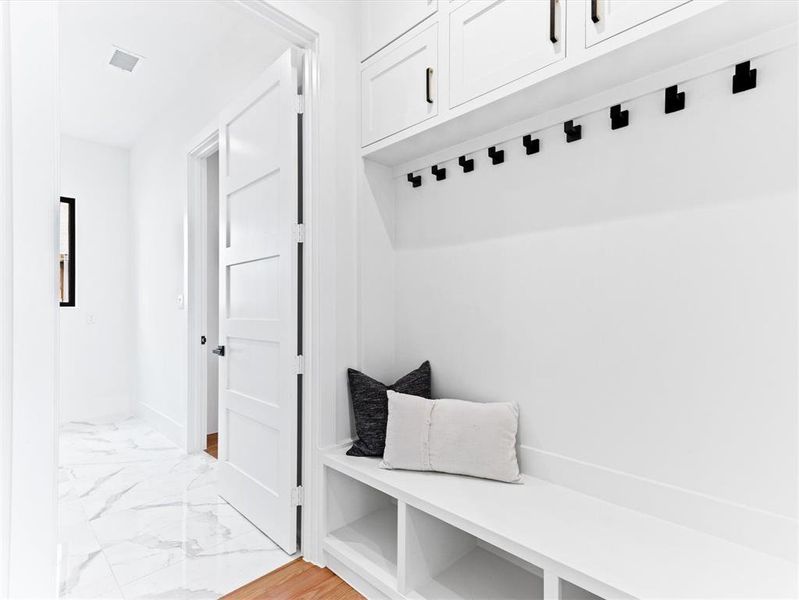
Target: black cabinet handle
[
  {"x": 219, "y": 350},
  {"x": 428, "y": 76},
  {"x": 552, "y": 35},
  {"x": 595, "y": 11}
]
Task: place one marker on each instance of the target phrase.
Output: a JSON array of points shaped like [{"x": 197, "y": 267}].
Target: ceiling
[{"x": 187, "y": 46}]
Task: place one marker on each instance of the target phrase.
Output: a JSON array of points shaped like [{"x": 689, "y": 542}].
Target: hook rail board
[{"x": 743, "y": 79}]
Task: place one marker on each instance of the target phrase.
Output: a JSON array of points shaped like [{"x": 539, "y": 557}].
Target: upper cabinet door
[
  {"x": 399, "y": 88},
  {"x": 606, "y": 18},
  {"x": 383, "y": 21},
  {"x": 494, "y": 42}
]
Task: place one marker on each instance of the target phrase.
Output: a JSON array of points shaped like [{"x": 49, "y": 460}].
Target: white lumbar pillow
[{"x": 452, "y": 436}]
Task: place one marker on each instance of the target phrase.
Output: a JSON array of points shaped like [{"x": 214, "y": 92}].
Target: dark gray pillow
[{"x": 370, "y": 405}]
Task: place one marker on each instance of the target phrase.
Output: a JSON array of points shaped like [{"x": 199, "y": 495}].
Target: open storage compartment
[
  {"x": 362, "y": 526},
  {"x": 443, "y": 562}
]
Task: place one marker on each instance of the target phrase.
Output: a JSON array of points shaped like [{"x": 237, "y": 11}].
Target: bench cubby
[
  {"x": 444, "y": 562},
  {"x": 362, "y": 525}
]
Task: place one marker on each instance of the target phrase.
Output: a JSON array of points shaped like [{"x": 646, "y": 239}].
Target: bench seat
[{"x": 604, "y": 548}]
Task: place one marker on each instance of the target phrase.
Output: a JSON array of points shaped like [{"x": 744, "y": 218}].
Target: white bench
[{"x": 432, "y": 536}]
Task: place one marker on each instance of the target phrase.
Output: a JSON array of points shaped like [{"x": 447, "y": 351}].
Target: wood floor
[
  {"x": 298, "y": 580},
  {"x": 211, "y": 446}
]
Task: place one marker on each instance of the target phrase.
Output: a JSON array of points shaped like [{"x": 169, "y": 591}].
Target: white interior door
[{"x": 258, "y": 302}]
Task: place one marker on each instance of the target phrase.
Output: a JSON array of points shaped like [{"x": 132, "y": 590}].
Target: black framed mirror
[{"x": 66, "y": 253}]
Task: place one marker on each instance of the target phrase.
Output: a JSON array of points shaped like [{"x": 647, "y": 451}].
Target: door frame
[
  {"x": 195, "y": 252},
  {"x": 6, "y": 299},
  {"x": 196, "y": 286}
]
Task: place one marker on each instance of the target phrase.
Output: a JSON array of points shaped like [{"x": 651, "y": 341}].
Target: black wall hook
[
  {"x": 674, "y": 100},
  {"x": 416, "y": 181},
  {"x": 744, "y": 78},
  {"x": 439, "y": 173},
  {"x": 466, "y": 163},
  {"x": 531, "y": 145},
  {"x": 573, "y": 132},
  {"x": 619, "y": 118},
  {"x": 497, "y": 156}
]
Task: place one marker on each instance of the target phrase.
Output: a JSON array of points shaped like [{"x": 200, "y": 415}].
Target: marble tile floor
[{"x": 139, "y": 518}]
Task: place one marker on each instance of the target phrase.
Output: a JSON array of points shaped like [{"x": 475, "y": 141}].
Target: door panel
[
  {"x": 615, "y": 16},
  {"x": 258, "y": 300},
  {"x": 394, "y": 88},
  {"x": 252, "y": 207},
  {"x": 253, "y": 289},
  {"x": 494, "y": 42}
]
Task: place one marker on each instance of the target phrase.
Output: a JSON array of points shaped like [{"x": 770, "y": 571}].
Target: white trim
[
  {"x": 196, "y": 289},
  {"x": 6, "y": 299},
  {"x": 162, "y": 423}
]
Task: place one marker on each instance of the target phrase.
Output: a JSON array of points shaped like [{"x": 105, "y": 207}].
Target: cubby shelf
[
  {"x": 478, "y": 575},
  {"x": 373, "y": 538}
]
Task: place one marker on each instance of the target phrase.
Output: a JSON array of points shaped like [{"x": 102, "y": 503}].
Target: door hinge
[
  {"x": 299, "y": 233},
  {"x": 300, "y": 364},
  {"x": 300, "y": 104},
  {"x": 297, "y": 496}
]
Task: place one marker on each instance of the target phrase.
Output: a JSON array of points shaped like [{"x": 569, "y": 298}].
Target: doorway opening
[{"x": 211, "y": 335}]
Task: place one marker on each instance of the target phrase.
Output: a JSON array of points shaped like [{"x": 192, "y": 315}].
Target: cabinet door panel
[
  {"x": 494, "y": 42},
  {"x": 615, "y": 16},
  {"x": 383, "y": 21},
  {"x": 395, "y": 90}
]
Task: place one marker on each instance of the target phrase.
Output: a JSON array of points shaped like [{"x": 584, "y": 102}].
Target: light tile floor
[{"x": 139, "y": 518}]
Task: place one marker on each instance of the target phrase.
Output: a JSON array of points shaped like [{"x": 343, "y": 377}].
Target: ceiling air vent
[{"x": 123, "y": 60}]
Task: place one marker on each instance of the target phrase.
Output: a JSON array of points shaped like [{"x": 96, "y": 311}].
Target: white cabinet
[
  {"x": 494, "y": 42},
  {"x": 606, "y": 18},
  {"x": 399, "y": 89},
  {"x": 383, "y": 21}
]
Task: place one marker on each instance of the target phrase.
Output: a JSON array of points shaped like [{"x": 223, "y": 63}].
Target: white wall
[
  {"x": 635, "y": 292},
  {"x": 34, "y": 137},
  {"x": 96, "y": 349},
  {"x": 212, "y": 292}
]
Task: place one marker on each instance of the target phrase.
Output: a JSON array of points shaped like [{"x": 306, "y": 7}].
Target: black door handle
[
  {"x": 219, "y": 350},
  {"x": 595, "y": 11}
]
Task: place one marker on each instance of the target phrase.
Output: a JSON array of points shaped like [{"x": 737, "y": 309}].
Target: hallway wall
[{"x": 95, "y": 335}]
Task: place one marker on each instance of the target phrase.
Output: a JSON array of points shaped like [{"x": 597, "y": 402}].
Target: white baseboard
[
  {"x": 166, "y": 425},
  {"x": 765, "y": 531}
]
